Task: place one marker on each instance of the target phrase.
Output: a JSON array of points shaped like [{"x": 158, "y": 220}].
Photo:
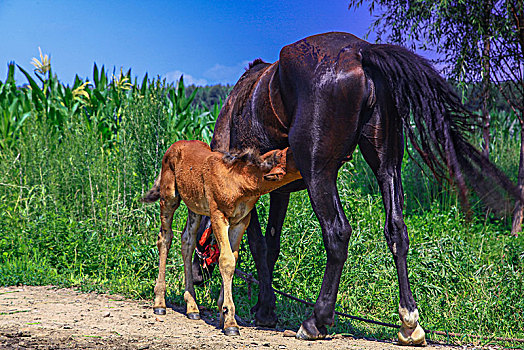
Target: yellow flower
[
  {"x": 44, "y": 65},
  {"x": 122, "y": 82},
  {"x": 80, "y": 91}
]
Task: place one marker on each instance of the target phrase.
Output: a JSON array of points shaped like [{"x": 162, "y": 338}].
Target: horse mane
[
  {"x": 250, "y": 156},
  {"x": 255, "y": 63}
]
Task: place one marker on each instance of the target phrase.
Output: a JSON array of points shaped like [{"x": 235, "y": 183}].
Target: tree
[{"x": 478, "y": 41}]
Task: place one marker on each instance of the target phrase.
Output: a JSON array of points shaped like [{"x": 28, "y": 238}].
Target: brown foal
[{"x": 224, "y": 187}]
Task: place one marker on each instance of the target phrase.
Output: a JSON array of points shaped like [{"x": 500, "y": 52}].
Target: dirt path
[{"x": 51, "y": 318}]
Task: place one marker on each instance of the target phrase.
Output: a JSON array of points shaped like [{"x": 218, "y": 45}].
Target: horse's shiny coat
[
  {"x": 223, "y": 187},
  {"x": 319, "y": 100},
  {"x": 327, "y": 94}
]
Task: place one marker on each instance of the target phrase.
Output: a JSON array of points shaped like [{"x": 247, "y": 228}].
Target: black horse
[{"x": 327, "y": 94}]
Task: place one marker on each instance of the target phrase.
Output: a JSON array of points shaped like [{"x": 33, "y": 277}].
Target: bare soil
[{"x": 53, "y": 318}]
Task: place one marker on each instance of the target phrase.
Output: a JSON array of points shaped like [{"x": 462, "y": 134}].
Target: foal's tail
[
  {"x": 437, "y": 123},
  {"x": 154, "y": 193}
]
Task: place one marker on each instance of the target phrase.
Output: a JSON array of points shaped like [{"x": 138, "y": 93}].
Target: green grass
[{"x": 70, "y": 216}]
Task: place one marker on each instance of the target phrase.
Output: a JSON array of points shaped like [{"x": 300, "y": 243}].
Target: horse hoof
[
  {"x": 412, "y": 336},
  {"x": 304, "y": 335},
  {"x": 301, "y": 334},
  {"x": 159, "y": 310},
  {"x": 232, "y": 331},
  {"x": 193, "y": 316},
  {"x": 267, "y": 323},
  {"x": 265, "y": 319}
]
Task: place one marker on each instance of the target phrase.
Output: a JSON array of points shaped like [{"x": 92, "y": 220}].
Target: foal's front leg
[
  {"x": 236, "y": 232},
  {"x": 228, "y": 241},
  {"x": 188, "y": 247}
]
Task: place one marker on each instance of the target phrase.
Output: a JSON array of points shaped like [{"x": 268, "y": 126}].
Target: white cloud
[
  {"x": 220, "y": 73},
  {"x": 174, "y": 76}
]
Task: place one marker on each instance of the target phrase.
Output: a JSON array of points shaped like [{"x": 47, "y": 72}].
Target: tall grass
[{"x": 73, "y": 165}]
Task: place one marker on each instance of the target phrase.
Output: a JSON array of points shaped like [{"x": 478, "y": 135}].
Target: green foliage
[
  {"x": 475, "y": 41},
  {"x": 98, "y": 106},
  {"x": 14, "y": 110},
  {"x": 207, "y": 96},
  {"x": 185, "y": 121},
  {"x": 456, "y": 30},
  {"x": 69, "y": 215}
]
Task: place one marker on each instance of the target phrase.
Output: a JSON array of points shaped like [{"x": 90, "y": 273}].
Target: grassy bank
[{"x": 70, "y": 179}]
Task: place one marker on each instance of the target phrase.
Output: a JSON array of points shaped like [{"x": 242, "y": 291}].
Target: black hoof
[
  {"x": 159, "y": 310},
  {"x": 193, "y": 316},
  {"x": 232, "y": 331},
  {"x": 270, "y": 323},
  {"x": 266, "y": 320}
]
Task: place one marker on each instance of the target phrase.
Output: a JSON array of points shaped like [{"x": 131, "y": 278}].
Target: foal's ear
[
  {"x": 275, "y": 174},
  {"x": 279, "y": 168}
]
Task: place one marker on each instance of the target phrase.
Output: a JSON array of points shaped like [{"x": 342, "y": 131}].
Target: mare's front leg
[
  {"x": 383, "y": 151},
  {"x": 188, "y": 247},
  {"x": 265, "y": 254},
  {"x": 336, "y": 232},
  {"x": 165, "y": 237}
]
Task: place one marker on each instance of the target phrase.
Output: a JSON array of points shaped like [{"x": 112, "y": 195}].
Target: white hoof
[
  {"x": 410, "y": 333},
  {"x": 304, "y": 335},
  {"x": 412, "y": 336}
]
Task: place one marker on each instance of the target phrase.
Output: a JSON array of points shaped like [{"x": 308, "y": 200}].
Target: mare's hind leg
[
  {"x": 383, "y": 151},
  {"x": 336, "y": 232},
  {"x": 165, "y": 237},
  {"x": 317, "y": 158},
  {"x": 188, "y": 247}
]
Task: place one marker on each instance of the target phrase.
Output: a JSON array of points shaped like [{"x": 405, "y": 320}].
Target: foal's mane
[{"x": 250, "y": 156}]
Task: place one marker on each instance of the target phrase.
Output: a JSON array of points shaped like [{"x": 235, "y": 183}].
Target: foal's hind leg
[
  {"x": 165, "y": 237},
  {"x": 384, "y": 155},
  {"x": 188, "y": 247}
]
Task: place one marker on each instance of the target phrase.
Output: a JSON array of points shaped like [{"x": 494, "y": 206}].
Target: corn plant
[
  {"x": 185, "y": 122},
  {"x": 96, "y": 104},
  {"x": 15, "y": 108}
]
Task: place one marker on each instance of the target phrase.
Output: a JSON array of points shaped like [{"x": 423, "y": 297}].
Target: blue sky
[{"x": 208, "y": 41}]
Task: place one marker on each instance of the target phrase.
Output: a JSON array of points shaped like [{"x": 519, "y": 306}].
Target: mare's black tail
[{"x": 437, "y": 123}]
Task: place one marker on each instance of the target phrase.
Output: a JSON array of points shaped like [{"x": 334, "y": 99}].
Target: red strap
[
  {"x": 212, "y": 254},
  {"x": 205, "y": 236}
]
